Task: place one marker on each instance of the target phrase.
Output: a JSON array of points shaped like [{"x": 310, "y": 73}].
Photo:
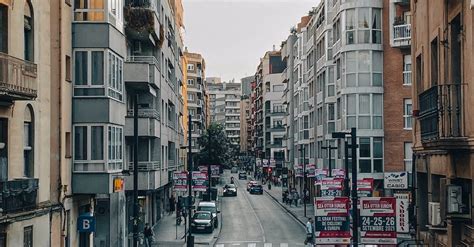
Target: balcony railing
[
  {"x": 402, "y": 32},
  {"x": 145, "y": 166},
  {"x": 144, "y": 59},
  {"x": 17, "y": 78},
  {"x": 441, "y": 111},
  {"x": 18, "y": 195},
  {"x": 145, "y": 113}
]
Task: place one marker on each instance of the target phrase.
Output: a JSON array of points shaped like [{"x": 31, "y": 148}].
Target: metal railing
[
  {"x": 402, "y": 32},
  {"x": 18, "y": 195},
  {"x": 18, "y": 78},
  {"x": 145, "y": 165},
  {"x": 441, "y": 110},
  {"x": 145, "y": 113},
  {"x": 143, "y": 59}
]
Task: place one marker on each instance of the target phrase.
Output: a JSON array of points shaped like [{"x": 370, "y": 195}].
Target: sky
[{"x": 232, "y": 35}]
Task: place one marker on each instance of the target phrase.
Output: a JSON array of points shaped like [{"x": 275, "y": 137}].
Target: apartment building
[
  {"x": 34, "y": 164},
  {"x": 196, "y": 68},
  {"x": 244, "y": 127},
  {"x": 224, "y": 106},
  {"x": 270, "y": 112},
  {"x": 442, "y": 41}
]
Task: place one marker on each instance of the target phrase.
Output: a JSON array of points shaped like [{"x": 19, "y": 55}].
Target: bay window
[
  {"x": 370, "y": 154},
  {"x": 363, "y": 68},
  {"x": 363, "y": 26}
]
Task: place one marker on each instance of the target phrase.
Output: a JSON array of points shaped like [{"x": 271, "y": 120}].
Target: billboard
[
  {"x": 403, "y": 200},
  {"x": 378, "y": 220},
  {"x": 180, "y": 181},
  {"x": 299, "y": 170},
  {"x": 265, "y": 163},
  {"x": 214, "y": 170},
  {"x": 365, "y": 187},
  {"x": 319, "y": 174},
  {"x": 310, "y": 170},
  {"x": 200, "y": 181},
  {"x": 331, "y": 186},
  {"x": 332, "y": 220},
  {"x": 338, "y": 173},
  {"x": 395, "y": 180}
]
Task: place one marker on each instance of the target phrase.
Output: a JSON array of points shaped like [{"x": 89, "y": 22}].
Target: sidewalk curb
[{"x": 286, "y": 209}]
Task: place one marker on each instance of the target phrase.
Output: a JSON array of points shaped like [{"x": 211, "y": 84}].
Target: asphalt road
[{"x": 256, "y": 220}]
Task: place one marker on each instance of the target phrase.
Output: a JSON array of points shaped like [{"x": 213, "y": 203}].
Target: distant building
[{"x": 247, "y": 84}]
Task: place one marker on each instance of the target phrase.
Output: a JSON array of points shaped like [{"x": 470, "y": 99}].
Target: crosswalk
[{"x": 260, "y": 244}]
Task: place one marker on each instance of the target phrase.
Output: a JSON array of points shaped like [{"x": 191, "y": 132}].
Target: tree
[{"x": 215, "y": 146}]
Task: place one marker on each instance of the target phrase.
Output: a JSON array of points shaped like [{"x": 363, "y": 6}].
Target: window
[
  {"x": 338, "y": 69},
  {"x": 3, "y": 28},
  {"x": 3, "y": 150},
  {"x": 350, "y": 26},
  {"x": 115, "y": 147},
  {"x": 28, "y": 32},
  {"x": 419, "y": 73},
  {"x": 364, "y": 111},
  {"x": 363, "y": 68},
  {"x": 97, "y": 143},
  {"x": 407, "y": 114},
  {"x": 28, "y": 142},
  {"x": 190, "y": 67},
  {"x": 364, "y": 28},
  {"x": 89, "y": 10},
  {"x": 28, "y": 236},
  {"x": 68, "y": 69},
  {"x": 407, "y": 70},
  {"x": 190, "y": 81},
  {"x": 364, "y": 155},
  {"x": 408, "y": 154},
  {"x": 434, "y": 62},
  {"x": 337, "y": 31},
  {"x": 190, "y": 97},
  {"x": 378, "y": 154},
  {"x": 377, "y": 105},
  {"x": 351, "y": 106},
  {"x": 331, "y": 118},
  {"x": 68, "y": 151}
]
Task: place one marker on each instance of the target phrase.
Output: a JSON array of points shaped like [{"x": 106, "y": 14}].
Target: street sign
[
  {"x": 265, "y": 163},
  {"x": 331, "y": 187},
  {"x": 310, "y": 170},
  {"x": 180, "y": 180},
  {"x": 332, "y": 220},
  {"x": 86, "y": 223},
  {"x": 395, "y": 180},
  {"x": 200, "y": 181},
  {"x": 378, "y": 220}
]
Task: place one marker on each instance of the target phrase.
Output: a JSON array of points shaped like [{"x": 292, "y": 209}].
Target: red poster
[
  {"x": 332, "y": 220},
  {"x": 180, "y": 180},
  {"x": 378, "y": 220}
]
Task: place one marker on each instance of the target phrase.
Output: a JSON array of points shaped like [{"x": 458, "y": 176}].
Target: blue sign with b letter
[{"x": 86, "y": 223}]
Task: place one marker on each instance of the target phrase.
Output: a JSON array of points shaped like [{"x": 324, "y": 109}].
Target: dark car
[
  {"x": 250, "y": 184},
  {"x": 256, "y": 189},
  {"x": 210, "y": 207},
  {"x": 234, "y": 170},
  {"x": 202, "y": 221},
  {"x": 230, "y": 190},
  {"x": 242, "y": 175}
]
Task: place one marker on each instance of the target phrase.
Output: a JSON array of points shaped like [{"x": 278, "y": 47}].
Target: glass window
[
  {"x": 89, "y": 10},
  {"x": 80, "y": 143},
  {"x": 365, "y": 166},
  {"x": 350, "y": 26},
  {"x": 377, "y": 105},
  {"x": 364, "y": 147},
  {"x": 331, "y": 115},
  {"x": 408, "y": 154},
  {"x": 97, "y": 68},
  {"x": 364, "y": 61},
  {"x": 364, "y": 104},
  {"x": 407, "y": 113},
  {"x": 351, "y": 104},
  {"x": 351, "y": 62},
  {"x": 376, "y": 26},
  {"x": 81, "y": 68},
  {"x": 378, "y": 147},
  {"x": 377, "y": 61},
  {"x": 97, "y": 143},
  {"x": 363, "y": 25}
]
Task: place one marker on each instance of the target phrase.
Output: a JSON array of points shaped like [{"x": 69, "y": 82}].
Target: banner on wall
[{"x": 338, "y": 173}]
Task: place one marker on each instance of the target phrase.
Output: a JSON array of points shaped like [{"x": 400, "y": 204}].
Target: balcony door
[{"x": 3, "y": 28}]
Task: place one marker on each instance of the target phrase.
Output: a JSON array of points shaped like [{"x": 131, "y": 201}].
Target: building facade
[
  {"x": 195, "y": 81},
  {"x": 442, "y": 41}
]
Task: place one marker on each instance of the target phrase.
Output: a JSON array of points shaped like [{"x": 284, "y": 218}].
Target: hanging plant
[{"x": 139, "y": 19}]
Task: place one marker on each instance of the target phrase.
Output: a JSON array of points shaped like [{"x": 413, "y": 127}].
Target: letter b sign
[{"x": 86, "y": 223}]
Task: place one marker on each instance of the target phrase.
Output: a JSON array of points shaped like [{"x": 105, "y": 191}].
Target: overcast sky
[{"x": 232, "y": 35}]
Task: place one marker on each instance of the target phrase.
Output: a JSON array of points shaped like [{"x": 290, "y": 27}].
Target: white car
[{"x": 209, "y": 207}]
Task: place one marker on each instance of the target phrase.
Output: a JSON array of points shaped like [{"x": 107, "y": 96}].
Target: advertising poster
[
  {"x": 395, "y": 180},
  {"x": 378, "y": 220},
  {"x": 214, "y": 170},
  {"x": 310, "y": 170},
  {"x": 402, "y": 212},
  {"x": 332, "y": 220},
  {"x": 365, "y": 187},
  {"x": 265, "y": 163},
  {"x": 331, "y": 187},
  {"x": 272, "y": 163},
  {"x": 180, "y": 181},
  {"x": 338, "y": 173},
  {"x": 299, "y": 170},
  {"x": 199, "y": 181},
  {"x": 319, "y": 174}
]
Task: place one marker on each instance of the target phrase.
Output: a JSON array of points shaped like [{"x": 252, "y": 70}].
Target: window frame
[{"x": 407, "y": 116}]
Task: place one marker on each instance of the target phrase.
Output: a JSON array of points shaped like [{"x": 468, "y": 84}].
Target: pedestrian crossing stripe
[{"x": 241, "y": 244}]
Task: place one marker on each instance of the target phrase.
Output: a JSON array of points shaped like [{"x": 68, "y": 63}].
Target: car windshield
[
  {"x": 202, "y": 216},
  {"x": 230, "y": 186},
  {"x": 207, "y": 208}
]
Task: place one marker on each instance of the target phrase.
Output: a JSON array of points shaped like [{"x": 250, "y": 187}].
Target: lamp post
[
  {"x": 354, "y": 146},
  {"x": 135, "y": 172},
  {"x": 302, "y": 149},
  {"x": 190, "y": 238},
  {"x": 329, "y": 148}
]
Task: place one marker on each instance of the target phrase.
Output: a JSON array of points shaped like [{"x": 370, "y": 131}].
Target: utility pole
[
  {"x": 346, "y": 168},
  {"x": 329, "y": 148},
  {"x": 190, "y": 239},
  {"x": 209, "y": 173},
  {"x": 355, "y": 203},
  {"x": 135, "y": 172}
]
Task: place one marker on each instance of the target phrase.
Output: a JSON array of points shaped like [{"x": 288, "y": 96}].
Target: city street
[{"x": 256, "y": 220}]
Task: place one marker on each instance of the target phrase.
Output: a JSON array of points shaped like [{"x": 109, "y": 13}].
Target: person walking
[
  {"x": 290, "y": 198},
  {"x": 296, "y": 197},
  {"x": 172, "y": 204},
  {"x": 309, "y": 241},
  {"x": 148, "y": 233}
]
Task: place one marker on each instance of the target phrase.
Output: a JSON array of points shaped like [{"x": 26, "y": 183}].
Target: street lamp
[
  {"x": 329, "y": 148},
  {"x": 190, "y": 238},
  {"x": 302, "y": 149},
  {"x": 355, "y": 213}
]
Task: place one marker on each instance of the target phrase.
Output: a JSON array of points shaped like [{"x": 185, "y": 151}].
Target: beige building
[
  {"x": 244, "y": 117},
  {"x": 442, "y": 51}
]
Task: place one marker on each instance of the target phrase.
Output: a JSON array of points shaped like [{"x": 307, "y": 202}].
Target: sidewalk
[
  {"x": 297, "y": 212},
  {"x": 165, "y": 232}
]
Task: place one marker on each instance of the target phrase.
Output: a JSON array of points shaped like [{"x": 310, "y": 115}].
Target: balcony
[
  {"x": 401, "y": 35},
  {"x": 18, "y": 195},
  {"x": 142, "y": 22},
  {"x": 141, "y": 73},
  {"x": 441, "y": 113},
  {"x": 148, "y": 123},
  {"x": 145, "y": 113},
  {"x": 148, "y": 176},
  {"x": 18, "y": 79}
]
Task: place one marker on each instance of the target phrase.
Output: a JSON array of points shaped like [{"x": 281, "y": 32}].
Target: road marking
[
  {"x": 284, "y": 245},
  {"x": 256, "y": 217},
  {"x": 252, "y": 245},
  {"x": 267, "y": 245},
  {"x": 219, "y": 245}
]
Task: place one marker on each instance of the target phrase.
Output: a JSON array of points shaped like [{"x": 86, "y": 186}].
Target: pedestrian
[
  {"x": 306, "y": 196},
  {"x": 148, "y": 233},
  {"x": 296, "y": 197},
  {"x": 172, "y": 204},
  {"x": 290, "y": 198},
  {"x": 285, "y": 195},
  {"x": 309, "y": 241}
]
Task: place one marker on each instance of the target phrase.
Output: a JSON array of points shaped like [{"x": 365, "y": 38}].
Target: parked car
[
  {"x": 250, "y": 184},
  {"x": 234, "y": 170},
  {"x": 209, "y": 207},
  {"x": 242, "y": 175},
  {"x": 230, "y": 190},
  {"x": 256, "y": 189},
  {"x": 202, "y": 221}
]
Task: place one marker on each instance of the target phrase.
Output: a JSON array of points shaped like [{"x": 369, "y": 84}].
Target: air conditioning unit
[{"x": 434, "y": 215}]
